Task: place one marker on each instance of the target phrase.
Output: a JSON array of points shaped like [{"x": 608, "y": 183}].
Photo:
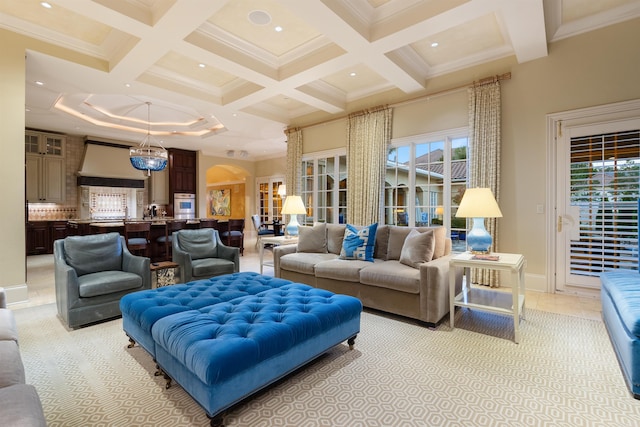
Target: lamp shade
[
  {"x": 293, "y": 207},
  {"x": 478, "y": 203},
  {"x": 282, "y": 190}
]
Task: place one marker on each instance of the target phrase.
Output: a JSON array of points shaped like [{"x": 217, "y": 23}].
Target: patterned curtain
[
  {"x": 294, "y": 161},
  {"x": 484, "y": 165},
  {"x": 368, "y": 135}
]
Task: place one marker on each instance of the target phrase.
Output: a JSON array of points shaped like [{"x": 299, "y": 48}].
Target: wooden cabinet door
[
  {"x": 53, "y": 183},
  {"x": 38, "y": 238},
  {"x": 33, "y": 166},
  {"x": 58, "y": 231}
]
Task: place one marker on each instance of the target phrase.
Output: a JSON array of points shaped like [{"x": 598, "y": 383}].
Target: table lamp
[
  {"x": 293, "y": 207},
  {"x": 478, "y": 203}
]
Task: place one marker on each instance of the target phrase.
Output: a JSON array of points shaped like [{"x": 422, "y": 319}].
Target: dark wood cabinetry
[
  {"x": 42, "y": 234},
  {"x": 38, "y": 237},
  {"x": 182, "y": 172}
]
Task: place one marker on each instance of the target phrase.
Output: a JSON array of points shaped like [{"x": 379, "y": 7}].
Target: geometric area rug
[{"x": 562, "y": 373}]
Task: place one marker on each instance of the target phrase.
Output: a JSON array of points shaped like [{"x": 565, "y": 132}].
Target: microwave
[{"x": 184, "y": 206}]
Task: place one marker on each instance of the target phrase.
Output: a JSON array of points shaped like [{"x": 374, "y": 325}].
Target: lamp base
[
  {"x": 478, "y": 239},
  {"x": 292, "y": 228}
]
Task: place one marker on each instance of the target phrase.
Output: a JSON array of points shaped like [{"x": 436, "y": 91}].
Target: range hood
[{"x": 107, "y": 164}]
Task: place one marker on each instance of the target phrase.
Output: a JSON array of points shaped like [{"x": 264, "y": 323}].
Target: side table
[
  {"x": 488, "y": 299},
  {"x": 274, "y": 241},
  {"x": 164, "y": 273}
]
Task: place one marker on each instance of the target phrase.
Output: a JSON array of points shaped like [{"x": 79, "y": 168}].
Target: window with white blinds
[{"x": 604, "y": 179}]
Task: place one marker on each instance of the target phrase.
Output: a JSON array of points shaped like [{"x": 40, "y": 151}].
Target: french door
[
  {"x": 269, "y": 202},
  {"x": 598, "y": 179}
]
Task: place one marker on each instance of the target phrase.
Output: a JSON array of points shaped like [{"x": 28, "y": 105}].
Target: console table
[{"x": 492, "y": 300}]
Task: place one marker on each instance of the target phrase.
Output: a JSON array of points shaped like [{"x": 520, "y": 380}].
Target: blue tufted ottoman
[
  {"x": 223, "y": 353},
  {"x": 620, "y": 295},
  {"x": 140, "y": 310}
]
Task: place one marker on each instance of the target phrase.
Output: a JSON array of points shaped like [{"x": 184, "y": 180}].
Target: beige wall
[
  {"x": 597, "y": 68},
  {"x": 12, "y": 218}
]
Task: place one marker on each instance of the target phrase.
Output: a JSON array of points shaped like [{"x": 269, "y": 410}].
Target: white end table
[
  {"x": 488, "y": 299},
  {"x": 275, "y": 241}
]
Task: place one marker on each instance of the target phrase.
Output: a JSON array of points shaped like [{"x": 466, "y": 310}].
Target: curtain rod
[{"x": 485, "y": 80}]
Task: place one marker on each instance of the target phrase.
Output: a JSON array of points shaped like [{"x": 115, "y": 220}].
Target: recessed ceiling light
[
  {"x": 45, "y": 4},
  {"x": 352, "y": 74},
  {"x": 434, "y": 44},
  {"x": 278, "y": 28},
  {"x": 259, "y": 17},
  {"x": 39, "y": 83},
  {"x": 127, "y": 85},
  {"x": 201, "y": 65}
]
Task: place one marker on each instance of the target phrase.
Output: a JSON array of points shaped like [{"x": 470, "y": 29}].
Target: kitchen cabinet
[
  {"x": 38, "y": 238},
  {"x": 160, "y": 187},
  {"x": 182, "y": 171},
  {"x": 42, "y": 234},
  {"x": 45, "y": 167}
]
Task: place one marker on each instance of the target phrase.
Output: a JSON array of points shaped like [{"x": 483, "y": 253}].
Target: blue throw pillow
[{"x": 358, "y": 244}]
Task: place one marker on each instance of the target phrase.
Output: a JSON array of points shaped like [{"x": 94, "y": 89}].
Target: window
[
  {"x": 269, "y": 202},
  {"x": 425, "y": 179},
  {"x": 324, "y": 188}
]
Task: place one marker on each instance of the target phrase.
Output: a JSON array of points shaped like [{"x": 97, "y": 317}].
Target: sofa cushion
[
  {"x": 107, "y": 282},
  {"x": 21, "y": 406},
  {"x": 358, "y": 244},
  {"x": 210, "y": 267},
  {"x": 8, "y": 330},
  {"x": 397, "y": 235},
  {"x": 335, "y": 235},
  {"x": 312, "y": 239},
  {"x": 417, "y": 248},
  {"x": 302, "y": 262},
  {"x": 341, "y": 269},
  {"x": 624, "y": 288},
  {"x": 392, "y": 275},
  {"x": 91, "y": 254},
  {"x": 11, "y": 368},
  {"x": 198, "y": 243},
  {"x": 382, "y": 242}
]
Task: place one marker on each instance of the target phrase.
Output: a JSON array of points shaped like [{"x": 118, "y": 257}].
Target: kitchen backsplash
[{"x": 50, "y": 212}]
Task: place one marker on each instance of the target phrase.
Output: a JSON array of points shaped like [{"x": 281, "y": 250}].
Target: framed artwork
[{"x": 220, "y": 202}]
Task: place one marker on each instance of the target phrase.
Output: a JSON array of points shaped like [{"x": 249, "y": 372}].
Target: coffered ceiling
[{"x": 232, "y": 74}]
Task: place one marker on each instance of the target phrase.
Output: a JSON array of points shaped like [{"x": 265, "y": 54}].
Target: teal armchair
[
  {"x": 92, "y": 273},
  {"x": 202, "y": 255}
]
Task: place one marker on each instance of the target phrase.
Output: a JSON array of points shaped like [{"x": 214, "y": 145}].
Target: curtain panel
[
  {"x": 294, "y": 160},
  {"x": 368, "y": 136},
  {"x": 484, "y": 164}
]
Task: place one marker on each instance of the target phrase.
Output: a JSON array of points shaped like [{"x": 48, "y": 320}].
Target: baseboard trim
[{"x": 16, "y": 294}]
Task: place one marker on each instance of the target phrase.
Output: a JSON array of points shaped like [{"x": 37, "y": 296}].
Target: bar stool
[
  {"x": 170, "y": 227},
  {"x": 234, "y": 235},
  {"x": 137, "y": 235}
]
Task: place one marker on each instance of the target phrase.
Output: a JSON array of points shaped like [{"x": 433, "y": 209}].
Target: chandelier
[{"x": 147, "y": 157}]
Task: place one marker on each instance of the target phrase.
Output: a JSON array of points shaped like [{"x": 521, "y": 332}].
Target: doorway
[{"x": 597, "y": 181}]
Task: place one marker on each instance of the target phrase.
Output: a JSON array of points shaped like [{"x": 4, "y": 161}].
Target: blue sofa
[{"x": 620, "y": 294}]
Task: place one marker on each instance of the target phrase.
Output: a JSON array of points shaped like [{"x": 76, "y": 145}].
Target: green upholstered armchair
[
  {"x": 202, "y": 255},
  {"x": 92, "y": 273}
]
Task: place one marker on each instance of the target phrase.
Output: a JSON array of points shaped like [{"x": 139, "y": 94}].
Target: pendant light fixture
[{"x": 146, "y": 157}]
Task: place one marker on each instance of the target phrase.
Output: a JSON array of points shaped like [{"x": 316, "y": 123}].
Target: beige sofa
[
  {"x": 419, "y": 291},
  {"x": 21, "y": 404}
]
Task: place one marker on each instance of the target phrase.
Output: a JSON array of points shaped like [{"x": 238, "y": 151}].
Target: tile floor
[{"x": 40, "y": 281}]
